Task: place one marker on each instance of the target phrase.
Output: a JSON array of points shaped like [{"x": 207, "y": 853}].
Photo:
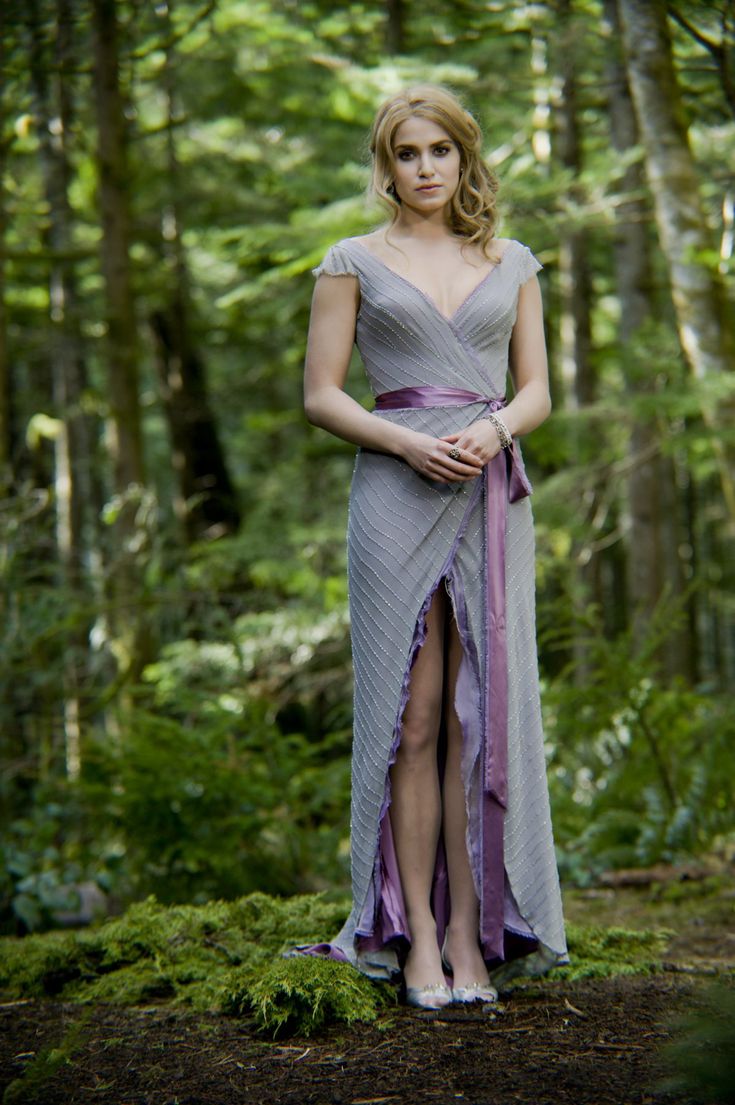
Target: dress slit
[{"x": 383, "y": 920}]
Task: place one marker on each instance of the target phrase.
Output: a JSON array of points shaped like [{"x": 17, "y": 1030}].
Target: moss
[
  {"x": 599, "y": 952},
  {"x": 225, "y": 957},
  {"x": 134, "y": 984},
  {"x": 306, "y": 993},
  {"x": 203, "y": 957},
  {"x": 38, "y": 966}
]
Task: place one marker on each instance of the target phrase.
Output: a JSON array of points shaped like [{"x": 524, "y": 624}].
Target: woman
[{"x": 453, "y": 869}]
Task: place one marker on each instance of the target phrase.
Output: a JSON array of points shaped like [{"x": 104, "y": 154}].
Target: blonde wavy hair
[{"x": 473, "y": 214}]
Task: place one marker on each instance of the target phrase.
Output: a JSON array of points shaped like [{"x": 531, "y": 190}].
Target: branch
[{"x": 714, "y": 48}]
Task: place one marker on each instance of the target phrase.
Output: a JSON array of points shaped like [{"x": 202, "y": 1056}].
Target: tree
[
  {"x": 114, "y": 190},
  {"x": 207, "y": 503},
  {"x": 653, "y": 500},
  {"x": 704, "y": 330}
]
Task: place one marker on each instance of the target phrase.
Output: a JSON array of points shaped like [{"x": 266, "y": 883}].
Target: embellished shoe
[
  {"x": 476, "y": 991},
  {"x": 435, "y": 996}
]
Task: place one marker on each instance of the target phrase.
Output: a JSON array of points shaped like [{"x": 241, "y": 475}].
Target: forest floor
[{"x": 587, "y": 1042}]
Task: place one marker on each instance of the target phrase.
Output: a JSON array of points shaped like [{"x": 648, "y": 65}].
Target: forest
[
  {"x": 175, "y": 667},
  {"x": 175, "y": 687}
]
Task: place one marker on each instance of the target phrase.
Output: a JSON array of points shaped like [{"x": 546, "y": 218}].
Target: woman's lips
[{"x": 428, "y": 187}]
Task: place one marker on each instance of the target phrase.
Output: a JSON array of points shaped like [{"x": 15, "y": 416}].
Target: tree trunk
[
  {"x": 672, "y": 174},
  {"x": 575, "y": 331},
  {"x": 395, "y": 41},
  {"x": 656, "y": 529},
  {"x": 133, "y": 646},
  {"x": 207, "y": 503},
  {"x": 696, "y": 291},
  {"x": 574, "y": 270},
  {"x": 76, "y": 499},
  {"x": 127, "y": 446},
  {"x": 6, "y": 422}
]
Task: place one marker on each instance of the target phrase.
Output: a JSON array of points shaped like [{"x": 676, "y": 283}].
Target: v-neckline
[{"x": 425, "y": 295}]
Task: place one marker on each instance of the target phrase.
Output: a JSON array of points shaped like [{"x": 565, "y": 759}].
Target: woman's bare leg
[
  {"x": 462, "y": 946},
  {"x": 415, "y": 810}
]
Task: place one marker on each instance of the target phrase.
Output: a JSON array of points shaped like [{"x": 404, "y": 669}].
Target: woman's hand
[
  {"x": 479, "y": 440},
  {"x": 429, "y": 456}
]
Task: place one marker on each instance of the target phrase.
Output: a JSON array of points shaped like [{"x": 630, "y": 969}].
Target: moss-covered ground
[
  {"x": 203, "y": 993},
  {"x": 226, "y": 957}
]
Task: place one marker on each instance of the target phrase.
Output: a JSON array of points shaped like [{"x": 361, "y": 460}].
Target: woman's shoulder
[
  {"x": 340, "y": 259},
  {"x": 520, "y": 257}
]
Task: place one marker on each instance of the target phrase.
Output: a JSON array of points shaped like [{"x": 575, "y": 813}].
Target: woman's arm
[
  {"x": 531, "y": 404},
  {"x": 329, "y": 347}
]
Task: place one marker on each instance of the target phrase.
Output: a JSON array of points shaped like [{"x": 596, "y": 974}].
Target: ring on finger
[{"x": 454, "y": 453}]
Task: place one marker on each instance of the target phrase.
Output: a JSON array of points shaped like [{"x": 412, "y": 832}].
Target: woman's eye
[
  {"x": 441, "y": 150},
  {"x": 405, "y": 155}
]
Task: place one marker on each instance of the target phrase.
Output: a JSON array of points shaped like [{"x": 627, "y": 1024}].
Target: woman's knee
[{"x": 419, "y": 735}]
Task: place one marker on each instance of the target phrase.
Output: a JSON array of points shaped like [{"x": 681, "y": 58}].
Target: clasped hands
[{"x": 478, "y": 443}]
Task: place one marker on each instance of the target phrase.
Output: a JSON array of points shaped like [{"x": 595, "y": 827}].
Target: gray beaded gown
[{"x": 408, "y": 535}]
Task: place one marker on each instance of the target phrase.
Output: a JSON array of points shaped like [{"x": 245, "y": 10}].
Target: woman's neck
[{"x": 430, "y": 228}]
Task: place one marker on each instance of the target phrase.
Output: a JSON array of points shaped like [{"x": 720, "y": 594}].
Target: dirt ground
[{"x": 591, "y": 1042}]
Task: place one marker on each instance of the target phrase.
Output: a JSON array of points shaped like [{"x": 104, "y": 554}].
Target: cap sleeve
[
  {"x": 528, "y": 265},
  {"x": 337, "y": 262}
]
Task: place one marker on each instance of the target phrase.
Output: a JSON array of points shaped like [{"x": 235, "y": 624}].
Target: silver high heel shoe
[
  {"x": 476, "y": 991},
  {"x": 435, "y": 996}
]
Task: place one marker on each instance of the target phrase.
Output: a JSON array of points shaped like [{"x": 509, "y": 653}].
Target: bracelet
[{"x": 504, "y": 434}]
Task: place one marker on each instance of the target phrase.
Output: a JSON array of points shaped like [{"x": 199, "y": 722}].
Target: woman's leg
[
  {"x": 415, "y": 810},
  {"x": 462, "y": 945}
]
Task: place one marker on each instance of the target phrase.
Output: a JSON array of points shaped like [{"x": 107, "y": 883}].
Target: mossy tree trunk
[
  {"x": 129, "y": 633},
  {"x": 114, "y": 193},
  {"x": 705, "y": 331},
  {"x": 657, "y": 529}
]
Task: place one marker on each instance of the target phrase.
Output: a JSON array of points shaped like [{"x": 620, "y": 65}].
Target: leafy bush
[
  {"x": 639, "y": 770},
  {"x": 701, "y": 1055}
]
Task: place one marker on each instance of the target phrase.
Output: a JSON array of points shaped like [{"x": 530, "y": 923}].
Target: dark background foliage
[{"x": 175, "y": 675}]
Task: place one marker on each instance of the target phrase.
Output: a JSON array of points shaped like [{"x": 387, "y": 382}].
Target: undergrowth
[
  {"x": 599, "y": 952},
  {"x": 227, "y": 957}
]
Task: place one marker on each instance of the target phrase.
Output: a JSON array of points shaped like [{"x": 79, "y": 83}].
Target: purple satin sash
[{"x": 505, "y": 481}]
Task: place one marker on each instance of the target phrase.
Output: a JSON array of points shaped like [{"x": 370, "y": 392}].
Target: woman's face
[{"x": 426, "y": 165}]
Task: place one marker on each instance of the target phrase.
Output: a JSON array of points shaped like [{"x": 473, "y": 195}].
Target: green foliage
[
  {"x": 225, "y": 956},
  {"x": 193, "y": 955},
  {"x": 598, "y": 952},
  {"x": 640, "y": 770},
  {"x": 701, "y": 1055},
  {"x": 228, "y": 957},
  {"x": 224, "y": 768},
  {"x": 305, "y": 994}
]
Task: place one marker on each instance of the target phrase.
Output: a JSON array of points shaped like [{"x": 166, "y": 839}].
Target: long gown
[{"x": 407, "y": 535}]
